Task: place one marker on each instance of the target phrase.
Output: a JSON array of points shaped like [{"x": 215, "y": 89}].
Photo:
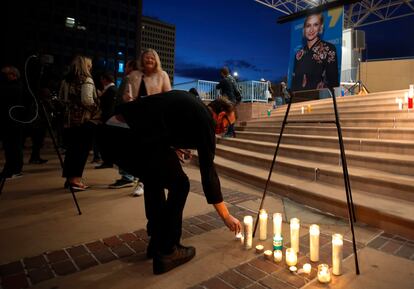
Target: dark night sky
[{"x": 244, "y": 35}]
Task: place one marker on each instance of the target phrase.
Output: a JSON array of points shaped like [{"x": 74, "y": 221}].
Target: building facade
[
  {"x": 109, "y": 31},
  {"x": 161, "y": 37}
]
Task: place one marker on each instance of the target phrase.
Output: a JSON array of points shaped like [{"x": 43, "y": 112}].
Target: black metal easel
[
  {"x": 350, "y": 204},
  {"x": 49, "y": 127}
]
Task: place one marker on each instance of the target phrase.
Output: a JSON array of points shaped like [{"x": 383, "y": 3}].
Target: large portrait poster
[{"x": 315, "y": 56}]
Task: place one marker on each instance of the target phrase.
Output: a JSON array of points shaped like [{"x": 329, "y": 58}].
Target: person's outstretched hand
[{"x": 233, "y": 224}]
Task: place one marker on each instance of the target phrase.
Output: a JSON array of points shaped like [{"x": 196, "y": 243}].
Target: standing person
[
  {"x": 228, "y": 89},
  {"x": 316, "y": 64},
  {"x": 146, "y": 149},
  {"x": 11, "y": 131},
  {"x": 107, "y": 101},
  {"x": 81, "y": 115},
  {"x": 285, "y": 93},
  {"x": 149, "y": 79}
]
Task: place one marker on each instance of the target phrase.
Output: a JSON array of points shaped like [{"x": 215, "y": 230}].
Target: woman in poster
[{"x": 316, "y": 64}]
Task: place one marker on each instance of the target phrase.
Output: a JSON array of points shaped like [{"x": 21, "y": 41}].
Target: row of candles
[
  {"x": 291, "y": 259},
  {"x": 408, "y": 99}
]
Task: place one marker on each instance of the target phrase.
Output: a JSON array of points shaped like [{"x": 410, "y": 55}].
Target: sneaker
[
  {"x": 180, "y": 255},
  {"x": 121, "y": 183},
  {"x": 16, "y": 175},
  {"x": 139, "y": 190}
]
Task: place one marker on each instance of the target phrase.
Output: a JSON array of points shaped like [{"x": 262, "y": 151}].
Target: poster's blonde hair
[{"x": 158, "y": 66}]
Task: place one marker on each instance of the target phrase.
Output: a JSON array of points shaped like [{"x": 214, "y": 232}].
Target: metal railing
[
  {"x": 206, "y": 89},
  {"x": 252, "y": 91}
]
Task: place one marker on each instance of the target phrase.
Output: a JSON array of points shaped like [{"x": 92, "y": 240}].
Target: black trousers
[
  {"x": 78, "y": 144},
  {"x": 12, "y": 138},
  {"x": 159, "y": 168}
]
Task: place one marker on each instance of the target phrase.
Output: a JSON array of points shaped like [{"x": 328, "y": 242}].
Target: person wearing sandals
[{"x": 81, "y": 115}]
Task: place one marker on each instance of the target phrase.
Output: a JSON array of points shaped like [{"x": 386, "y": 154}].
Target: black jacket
[
  {"x": 176, "y": 119},
  {"x": 108, "y": 101}
]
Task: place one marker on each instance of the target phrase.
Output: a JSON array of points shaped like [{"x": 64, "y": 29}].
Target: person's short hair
[
  {"x": 225, "y": 70},
  {"x": 158, "y": 66},
  {"x": 194, "y": 91},
  {"x": 132, "y": 64},
  {"x": 9, "y": 69},
  {"x": 108, "y": 76}
]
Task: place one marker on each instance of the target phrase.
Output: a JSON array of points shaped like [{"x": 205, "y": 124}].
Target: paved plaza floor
[{"x": 46, "y": 244}]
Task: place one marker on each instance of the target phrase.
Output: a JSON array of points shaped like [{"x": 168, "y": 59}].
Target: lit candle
[
  {"x": 277, "y": 224},
  {"x": 293, "y": 269},
  {"x": 307, "y": 268},
  {"x": 324, "y": 275},
  {"x": 337, "y": 252},
  {"x": 411, "y": 90},
  {"x": 238, "y": 236},
  {"x": 314, "y": 242},
  {"x": 263, "y": 225},
  {"x": 268, "y": 254},
  {"x": 277, "y": 255},
  {"x": 294, "y": 234},
  {"x": 291, "y": 257},
  {"x": 406, "y": 97},
  {"x": 302, "y": 109},
  {"x": 248, "y": 232},
  {"x": 259, "y": 249}
]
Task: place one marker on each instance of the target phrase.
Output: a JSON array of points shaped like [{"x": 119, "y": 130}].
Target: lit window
[{"x": 70, "y": 22}]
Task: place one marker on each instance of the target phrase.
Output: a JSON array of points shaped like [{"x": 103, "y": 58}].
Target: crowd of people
[{"x": 144, "y": 128}]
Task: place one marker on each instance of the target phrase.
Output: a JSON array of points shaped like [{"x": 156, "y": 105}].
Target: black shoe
[
  {"x": 104, "y": 166},
  {"x": 180, "y": 255},
  {"x": 121, "y": 183},
  {"x": 38, "y": 161}
]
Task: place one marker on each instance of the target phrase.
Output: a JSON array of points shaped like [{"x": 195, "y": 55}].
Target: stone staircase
[{"x": 379, "y": 144}]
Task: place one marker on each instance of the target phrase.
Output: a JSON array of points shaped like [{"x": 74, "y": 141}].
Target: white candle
[
  {"x": 293, "y": 269},
  {"x": 259, "y": 249},
  {"x": 307, "y": 268},
  {"x": 277, "y": 224},
  {"x": 411, "y": 90},
  {"x": 302, "y": 109},
  {"x": 400, "y": 104},
  {"x": 238, "y": 236},
  {"x": 294, "y": 234},
  {"x": 314, "y": 242},
  {"x": 248, "y": 232},
  {"x": 337, "y": 253},
  {"x": 324, "y": 275},
  {"x": 277, "y": 255},
  {"x": 406, "y": 97},
  {"x": 268, "y": 254},
  {"x": 263, "y": 225},
  {"x": 291, "y": 257}
]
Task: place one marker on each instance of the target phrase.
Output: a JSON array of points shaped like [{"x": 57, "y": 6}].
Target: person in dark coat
[
  {"x": 142, "y": 138},
  {"x": 108, "y": 100},
  {"x": 11, "y": 133},
  {"x": 316, "y": 64}
]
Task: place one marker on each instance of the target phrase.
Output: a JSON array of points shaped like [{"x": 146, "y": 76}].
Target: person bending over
[{"x": 149, "y": 130}]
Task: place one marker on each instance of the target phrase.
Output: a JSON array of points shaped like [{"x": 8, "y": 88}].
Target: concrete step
[
  {"x": 368, "y": 180},
  {"x": 393, "y": 163},
  {"x": 372, "y": 144},
  {"x": 401, "y": 133},
  {"x": 382, "y": 212},
  {"x": 377, "y": 122}
]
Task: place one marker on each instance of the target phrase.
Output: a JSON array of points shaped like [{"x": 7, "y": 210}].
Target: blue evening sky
[{"x": 244, "y": 35}]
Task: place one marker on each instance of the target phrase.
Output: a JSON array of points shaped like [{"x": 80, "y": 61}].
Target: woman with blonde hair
[
  {"x": 82, "y": 113},
  {"x": 147, "y": 80}
]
